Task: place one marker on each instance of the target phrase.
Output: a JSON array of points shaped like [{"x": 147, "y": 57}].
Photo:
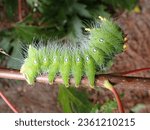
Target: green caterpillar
[{"x": 90, "y": 53}]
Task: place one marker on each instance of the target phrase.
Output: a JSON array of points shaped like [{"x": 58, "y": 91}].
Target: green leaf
[
  {"x": 81, "y": 10},
  {"x": 125, "y": 4},
  {"x": 95, "y": 108},
  {"x": 138, "y": 107},
  {"x": 10, "y": 7},
  {"x": 31, "y": 2},
  {"x": 100, "y": 10},
  {"x": 16, "y": 57},
  {"x": 75, "y": 26},
  {"x": 109, "y": 106},
  {"x": 5, "y": 45},
  {"x": 73, "y": 100},
  {"x": 26, "y": 33}
]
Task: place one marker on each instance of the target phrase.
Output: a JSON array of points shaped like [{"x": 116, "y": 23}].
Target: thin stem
[
  {"x": 120, "y": 106},
  {"x": 133, "y": 71},
  {"x": 106, "y": 84},
  {"x": 8, "y": 103},
  {"x": 20, "y": 10}
]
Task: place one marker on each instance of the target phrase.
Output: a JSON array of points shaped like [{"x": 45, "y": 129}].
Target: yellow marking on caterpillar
[
  {"x": 124, "y": 47},
  {"x": 137, "y": 9},
  {"x": 87, "y": 29},
  {"x": 101, "y": 18},
  {"x": 125, "y": 39}
]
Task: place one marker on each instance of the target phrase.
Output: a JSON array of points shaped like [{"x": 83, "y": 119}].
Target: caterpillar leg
[
  {"x": 77, "y": 68},
  {"x": 54, "y": 67},
  {"x": 90, "y": 69},
  {"x": 65, "y": 68},
  {"x": 45, "y": 59},
  {"x": 30, "y": 74}
]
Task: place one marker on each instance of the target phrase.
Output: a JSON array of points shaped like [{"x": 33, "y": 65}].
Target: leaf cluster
[{"x": 77, "y": 101}]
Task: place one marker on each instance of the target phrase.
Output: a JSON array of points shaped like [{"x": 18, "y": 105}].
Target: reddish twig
[
  {"x": 20, "y": 10},
  {"x": 120, "y": 106},
  {"x": 15, "y": 74},
  {"x": 133, "y": 71},
  {"x": 8, "y": 103},
  {"x": 106, "y": 84}
]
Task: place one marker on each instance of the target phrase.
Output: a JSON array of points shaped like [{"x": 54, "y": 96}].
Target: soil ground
[{"x": 43, "y": 98}]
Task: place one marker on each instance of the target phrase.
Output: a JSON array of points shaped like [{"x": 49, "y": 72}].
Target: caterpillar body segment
[
  {"x": 106, "y": 41},
  {"x": 54, "y": 66},
  {"x": 100, "y": 42},
  {"x": 90, "y": 69},
  {"x": 45, "y": 59},
  {"x": 77, "y": 67},
  {"x": 109, "y": 38},
  {"x": 111, "y": 27},
  {"x": 31, "y": 67},
  {"x": 98, "y": 55},
  {"x": 65, "y": 67}
]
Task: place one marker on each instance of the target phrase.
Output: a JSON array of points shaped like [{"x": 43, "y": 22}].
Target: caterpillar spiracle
[{"x": 89, "y": 54}]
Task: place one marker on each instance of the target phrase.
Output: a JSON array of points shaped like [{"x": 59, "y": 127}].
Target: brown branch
[
  {"x": 15, "y": 74},
  {"x": 119, "y": 102},
  {"x": 20, "y": 10},
  {"x": 8, "y": 103}
]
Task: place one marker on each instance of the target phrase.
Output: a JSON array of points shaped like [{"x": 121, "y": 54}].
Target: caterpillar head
[
  {"x": 107, "y": 33},
  {"x": 30, "y": 68}
]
